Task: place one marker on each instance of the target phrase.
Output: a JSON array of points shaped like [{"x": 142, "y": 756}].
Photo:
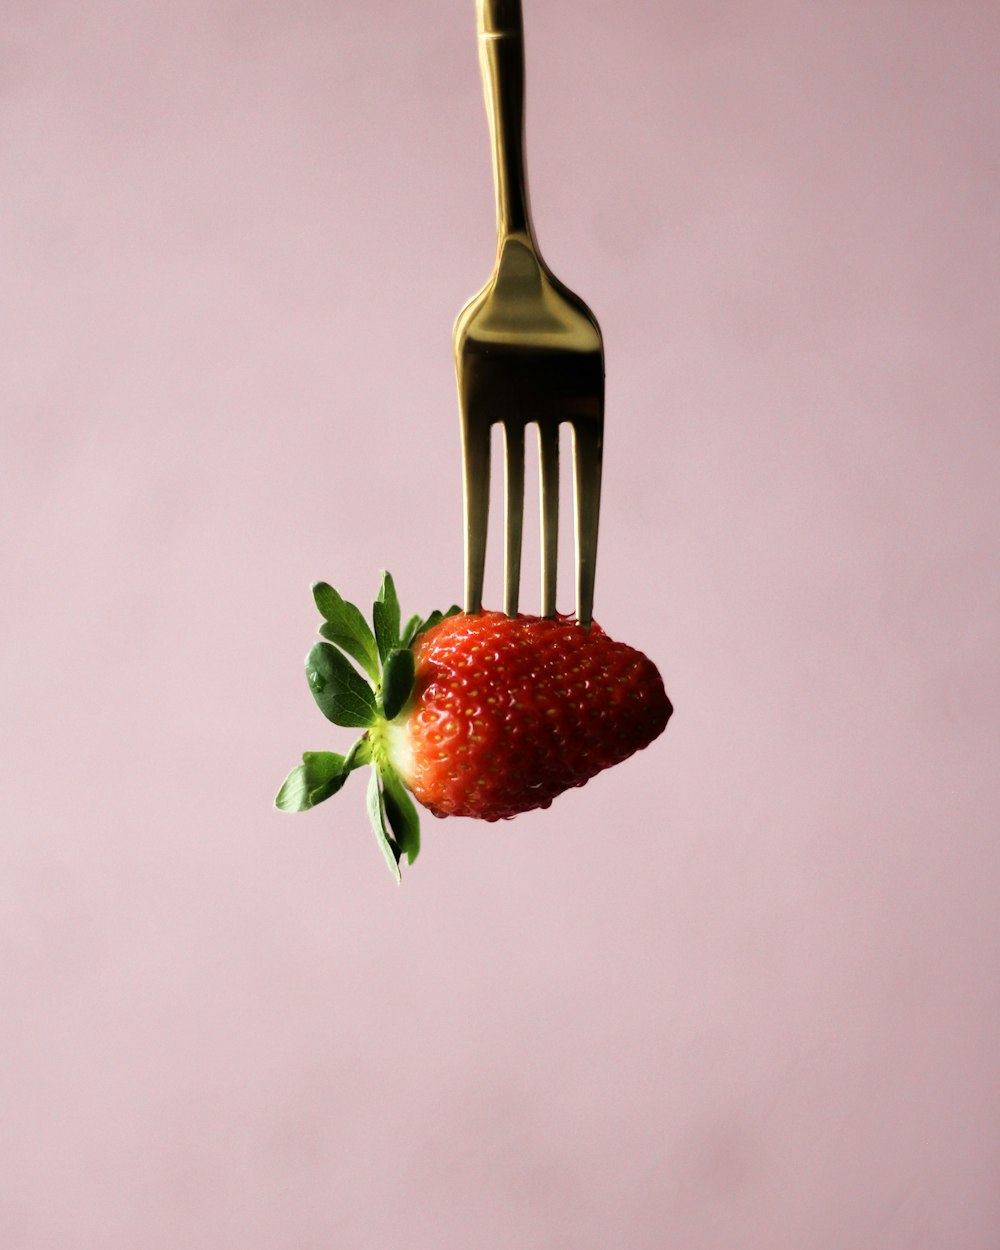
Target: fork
[{"x": 527, "y": 352}]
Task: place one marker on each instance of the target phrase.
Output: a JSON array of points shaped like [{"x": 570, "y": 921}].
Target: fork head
[{"x": 529, "y": 352}]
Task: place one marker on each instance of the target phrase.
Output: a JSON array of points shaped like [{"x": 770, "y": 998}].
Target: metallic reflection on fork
[{"x": 527, "y": 352}]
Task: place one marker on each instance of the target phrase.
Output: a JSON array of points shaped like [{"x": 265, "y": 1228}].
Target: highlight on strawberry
[{"x": 481, "y": 715}]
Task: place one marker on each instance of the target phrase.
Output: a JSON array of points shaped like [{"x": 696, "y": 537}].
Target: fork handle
[{"x": 501, "y": 60}]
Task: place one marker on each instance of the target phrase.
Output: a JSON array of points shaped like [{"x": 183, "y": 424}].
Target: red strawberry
[
  {"x": 507, "y": 712},
  {"x": 483, "y": 715}
]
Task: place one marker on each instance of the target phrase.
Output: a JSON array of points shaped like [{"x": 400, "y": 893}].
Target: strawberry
[{"x": 479, "y": 715}]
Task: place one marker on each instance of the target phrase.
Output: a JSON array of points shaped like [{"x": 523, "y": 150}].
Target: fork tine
[
  {"x": 548, "y": 462},
  {"x": 514, "y": 508},
  {"x": 587, "y": 456},
  {"x": 476, "y": 459}
]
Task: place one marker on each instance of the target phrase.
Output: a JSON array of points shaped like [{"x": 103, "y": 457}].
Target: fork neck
[{"x": 501, "y": 60}]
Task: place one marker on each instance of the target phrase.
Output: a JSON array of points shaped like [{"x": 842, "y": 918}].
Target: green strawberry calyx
[{"x": 370, "y": 694}]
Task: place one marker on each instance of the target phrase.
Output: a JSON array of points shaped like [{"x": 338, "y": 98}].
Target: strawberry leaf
[
  {"x": 410, "y": 629},
  {"x": 435, "y": 618},
  {"x": 385, "y": 613},
  {"x": 341, "y": 693},
  {"x": 320, "y": 775},
  {"x": 397, "y": 681},
  {"x": 325, "y": 772},
  {"x": 294, "y": 793},
  {"x": 380, "y": 824},
  {"x": 344, "y": 625},
  {"x": 402, "y": 815}
]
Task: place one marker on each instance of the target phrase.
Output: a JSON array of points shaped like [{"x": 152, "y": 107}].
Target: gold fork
[{"x": 527, "y": 352}]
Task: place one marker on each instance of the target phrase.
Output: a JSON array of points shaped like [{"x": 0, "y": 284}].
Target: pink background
[{"x": 742, "y": 992}]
